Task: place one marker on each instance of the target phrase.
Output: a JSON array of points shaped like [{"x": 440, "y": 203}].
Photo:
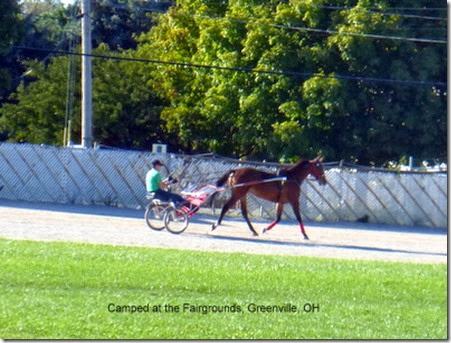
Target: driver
[{"x": 155, "y": 184}]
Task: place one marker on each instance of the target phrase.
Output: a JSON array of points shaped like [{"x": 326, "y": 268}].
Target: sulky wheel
[
  {"x": 175, "y": 220},
  {"x": 155, "y": 216}
]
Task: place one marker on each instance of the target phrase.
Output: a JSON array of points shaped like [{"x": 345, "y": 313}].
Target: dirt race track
[{"x": 105, "y": 225}]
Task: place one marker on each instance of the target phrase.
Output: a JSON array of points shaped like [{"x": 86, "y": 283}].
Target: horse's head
[{"x": 316, "y": 169}]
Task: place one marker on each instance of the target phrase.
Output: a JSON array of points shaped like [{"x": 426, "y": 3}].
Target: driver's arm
[{"x": 163, "y": 184}]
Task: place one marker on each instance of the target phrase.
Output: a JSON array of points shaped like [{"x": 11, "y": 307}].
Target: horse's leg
[
  {"x": 295, "y": 204},
  {"x": 225, "y": 208},
  {"x": 244, "y": 212},
  {"x": 235, "y": 197},
  {"x": 278, "y": 217}
]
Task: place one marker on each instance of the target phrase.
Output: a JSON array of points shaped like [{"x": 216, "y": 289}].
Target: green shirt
[{"x": 153, "y": 179}]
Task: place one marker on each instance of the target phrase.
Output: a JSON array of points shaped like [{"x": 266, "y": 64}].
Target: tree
[
  {"x": 274, "y": 80},
  {"x": 38, "y": 109},
  {"x": 263, "y": 115},
  {"x": 389, "y": 120},
  {"x": 11, "y": 32},
  {"x": 116, "y": 22},
  {"x": 44, "y": 25},
  {"x": 126, "y": 111},
  {"x": 49, "y": 25},
  {"x": 10, "y": 26}
]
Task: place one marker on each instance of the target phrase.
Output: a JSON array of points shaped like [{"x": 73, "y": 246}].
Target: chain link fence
[{"x": 116, "y": 178}]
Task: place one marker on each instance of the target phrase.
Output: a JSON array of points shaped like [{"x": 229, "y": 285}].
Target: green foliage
[
  {"x": 116, "y": 22},
  {"x": 62, "y": 290},
  {"x": 127, "y": 112},
  {"x": 49, "y": 24},
  {"x": 281, "y": 116},
  {"x": 10, "y": 27},
  {"x": 384, "y": 120},
  {"x": 259, "y": 114},
  {"x": 40, "y": 116},
  {"x": 11, "y": 32}
]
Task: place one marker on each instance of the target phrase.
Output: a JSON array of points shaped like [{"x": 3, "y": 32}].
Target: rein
[
  {"x": 289, "y": 177},
  {"x": 253, "y": 183}
]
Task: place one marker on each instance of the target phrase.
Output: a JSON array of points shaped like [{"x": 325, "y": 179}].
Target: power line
[
  {"x": 367, "y": 35},
  {"x": 315, "y": 30},
  {"x": 327, "y": 31},
  {"x": 339, "y": 7},
  {"x": 376, "y": 10},
  {"x": 249, "y": 70},
  {"x": 307, "y": 29}
]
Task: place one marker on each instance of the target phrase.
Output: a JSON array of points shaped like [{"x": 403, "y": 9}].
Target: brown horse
[{"x": 280, "y": 191}]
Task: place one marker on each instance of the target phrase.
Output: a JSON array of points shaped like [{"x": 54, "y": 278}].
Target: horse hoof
[
  {"x": 264, "y": 231},
  {"x": 255, "y": 234},
  {"x": 306, "y": 237},
  {"x": 213, "y": 227}
]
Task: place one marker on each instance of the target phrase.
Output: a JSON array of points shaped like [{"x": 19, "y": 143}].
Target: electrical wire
[
  {"x": 302, "y": 28},
  {"x": 249, "y": 70},
  {"x": 377, "y": 10},
  {"x": 327, "y": 31},
  {"x": 320, "y": 6},
  {"x": 374, "y": 10}
]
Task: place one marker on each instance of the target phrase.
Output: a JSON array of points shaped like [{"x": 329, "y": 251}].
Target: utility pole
[{"x": 86, "y": 75}]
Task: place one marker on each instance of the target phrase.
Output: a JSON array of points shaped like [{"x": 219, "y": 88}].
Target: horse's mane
[
  {"x": 288, "y": 171},
  {"x": 299, "y": 164}
]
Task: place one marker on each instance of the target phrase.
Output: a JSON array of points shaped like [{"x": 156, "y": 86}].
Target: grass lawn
[{"x": 65, "y": 290}]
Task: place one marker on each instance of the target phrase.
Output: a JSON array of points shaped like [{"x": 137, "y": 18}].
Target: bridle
[
  {"x": 312, "y": 169},
  {"x": 317, "y": 176}
]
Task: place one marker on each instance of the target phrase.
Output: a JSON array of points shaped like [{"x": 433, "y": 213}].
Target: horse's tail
[
  {"x": 220, "y": 183},
  {"x": 224, "y": 178}
]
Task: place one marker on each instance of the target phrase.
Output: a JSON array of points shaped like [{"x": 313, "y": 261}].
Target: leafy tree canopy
[
  {"x": 127, "y": 113},
  {"x": 11, "y": 32},
  {"x": 301, "y": 77},
  {"x": 285, "y": 116}
]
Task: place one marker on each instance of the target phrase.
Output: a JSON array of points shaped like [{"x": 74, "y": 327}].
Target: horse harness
[{"x": 289, "y": 177}]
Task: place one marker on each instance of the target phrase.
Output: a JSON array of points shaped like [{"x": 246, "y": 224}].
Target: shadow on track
[
  {"x": 339, "y": 225},
  {"x": 319, "y": 245},
  {"x": 78, "y": 209},
  {"x": 206, "y": 218}
]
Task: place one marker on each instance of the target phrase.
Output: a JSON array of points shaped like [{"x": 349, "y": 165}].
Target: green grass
[{"x": 62, "y": 290}]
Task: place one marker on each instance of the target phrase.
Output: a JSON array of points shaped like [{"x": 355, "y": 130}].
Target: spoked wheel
[
  {"x": 175, "y": 220},
  {"x": 155, "y": 216}
]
